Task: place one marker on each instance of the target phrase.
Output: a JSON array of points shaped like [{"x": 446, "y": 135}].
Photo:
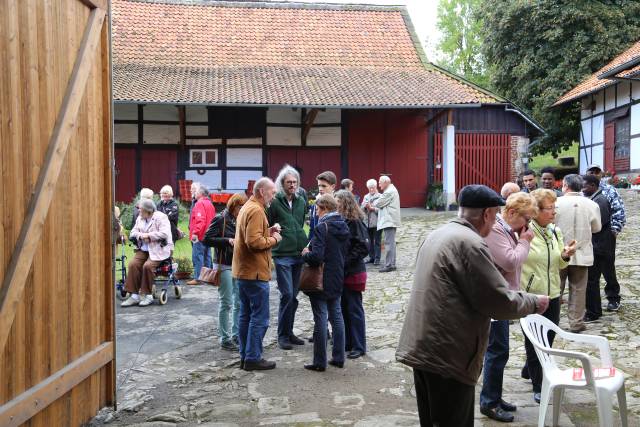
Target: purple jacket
[{"x": 508, "y": 252}]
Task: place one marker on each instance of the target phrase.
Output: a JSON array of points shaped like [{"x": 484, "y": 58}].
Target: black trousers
[
  {"x": 603, "y": 265},
  {"x": 443, "y": 402},
  {"x": 533, "y": 364}
]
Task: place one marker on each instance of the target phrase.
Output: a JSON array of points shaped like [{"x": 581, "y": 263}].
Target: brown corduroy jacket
[{"x": 252, "y": 247}]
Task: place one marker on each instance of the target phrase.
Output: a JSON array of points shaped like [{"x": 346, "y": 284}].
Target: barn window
[{"x": 205, "y": 157}]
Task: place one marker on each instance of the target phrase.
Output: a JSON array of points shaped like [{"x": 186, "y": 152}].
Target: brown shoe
[{"x": 193, "y": 282}]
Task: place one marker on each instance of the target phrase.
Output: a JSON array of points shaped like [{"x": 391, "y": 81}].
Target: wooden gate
[
  {"x": 609, "y": 145},
  {"x": 56, "y": 304}
]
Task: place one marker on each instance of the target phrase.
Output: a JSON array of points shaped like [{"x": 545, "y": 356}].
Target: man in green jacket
[{"x": 288, "y": 210}]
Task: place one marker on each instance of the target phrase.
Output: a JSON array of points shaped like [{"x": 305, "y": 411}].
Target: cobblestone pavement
[{"x": 171, "y": 370}]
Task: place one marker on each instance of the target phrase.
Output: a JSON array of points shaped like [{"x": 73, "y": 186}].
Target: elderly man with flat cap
[{"x": 457, "y": 290}]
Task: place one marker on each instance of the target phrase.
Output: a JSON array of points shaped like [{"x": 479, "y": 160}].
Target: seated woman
[
  {"x": 152, "y": 236},
  {"x": 328, "y": 246}
]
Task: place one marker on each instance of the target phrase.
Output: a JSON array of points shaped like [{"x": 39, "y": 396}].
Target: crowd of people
[{"x": 491, "y": 267}]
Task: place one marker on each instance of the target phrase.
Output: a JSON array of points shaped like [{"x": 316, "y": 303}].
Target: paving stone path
[{"x": 172, "y": 372}]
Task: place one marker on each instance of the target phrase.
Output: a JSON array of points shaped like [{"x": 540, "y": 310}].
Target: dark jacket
[
  {"x": 604, "y": 240},
  {"x": 329, "y": 246},
  {"x": 357, "y": 249},
  {"x": 294, "y": 239},
  {"x": 170, "y": 209},
  {"x": 223, "y": 253}
]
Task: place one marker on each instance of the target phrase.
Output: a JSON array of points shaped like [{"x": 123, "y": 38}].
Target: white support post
[{"x": 449, "y": 165}]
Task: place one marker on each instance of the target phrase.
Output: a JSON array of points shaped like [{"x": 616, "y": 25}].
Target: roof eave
[
  {"x": 620, "y": 68},
  {"x": 582, "y": 95}
]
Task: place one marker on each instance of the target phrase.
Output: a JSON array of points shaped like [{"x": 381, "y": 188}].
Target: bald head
[
  {"x": 264, "y": 189},
  {"x": 508, "y": 189}
]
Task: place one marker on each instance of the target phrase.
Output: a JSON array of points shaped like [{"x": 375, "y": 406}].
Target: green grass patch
[{"x": 542, "y": 160}]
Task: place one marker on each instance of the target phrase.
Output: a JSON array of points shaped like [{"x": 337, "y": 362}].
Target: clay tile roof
[
  {"x": 597, "y": 81},
  {"x": 263, "y": 53}
]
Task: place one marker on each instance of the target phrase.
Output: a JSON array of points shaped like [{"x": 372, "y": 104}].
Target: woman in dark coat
[
  {"x": 221, "y": 234},
  {"x": 328, "y": 247},
  {"x": 169, "y": 207},
  {"x": 355, "y": 275}
]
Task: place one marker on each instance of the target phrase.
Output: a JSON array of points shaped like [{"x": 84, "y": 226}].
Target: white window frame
[{"x": 203, "y": 151}]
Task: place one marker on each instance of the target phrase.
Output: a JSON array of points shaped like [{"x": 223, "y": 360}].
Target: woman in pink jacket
[{"x": 509, "y": 245}]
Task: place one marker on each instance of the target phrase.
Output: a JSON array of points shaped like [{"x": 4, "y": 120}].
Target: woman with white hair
[
  {"x": 145, "y": 193},
  {"x": 371, "y": 221},
  {"x": 151, "y": 236},
  {"x": 169, "y": 207}
]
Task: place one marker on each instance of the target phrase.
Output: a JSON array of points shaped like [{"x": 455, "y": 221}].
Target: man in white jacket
[
  {"x": 578, "y": 217},
  {"x": 388, "y": 220}
]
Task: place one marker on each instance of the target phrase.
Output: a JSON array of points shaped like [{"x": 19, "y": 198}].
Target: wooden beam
[
  {"x": 31, "y": 231},
  {"x": 450, "y": 116},
  {"x": 308, "y": 123},
  {"x": 27, "y": 404},
  {"x": 435, "y": 117},
  {"x": 96, "y": 4}
]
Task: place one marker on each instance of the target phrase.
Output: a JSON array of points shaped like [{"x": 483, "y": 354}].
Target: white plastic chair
[{"x": 556, "y": 380}]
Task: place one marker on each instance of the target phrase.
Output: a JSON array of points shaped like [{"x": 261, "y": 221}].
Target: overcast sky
[{"x": 423, "y": 15}]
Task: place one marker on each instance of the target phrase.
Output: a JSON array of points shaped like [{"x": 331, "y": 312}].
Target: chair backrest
[{"x": 537, "y": 329}]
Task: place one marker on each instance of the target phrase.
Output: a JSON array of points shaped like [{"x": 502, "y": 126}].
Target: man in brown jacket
[
  {"x": 251, "y": 268},
  {"x": 456, "y": 291}
]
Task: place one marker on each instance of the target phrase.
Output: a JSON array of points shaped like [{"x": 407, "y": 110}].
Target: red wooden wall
[
  {"x": 480, "y": 159},
  {"x": 125, "y": 159},
  {"x": 159, "y": 167},
  {"x": 393, "y": 142},
  {"x": 311, "y": 160}
]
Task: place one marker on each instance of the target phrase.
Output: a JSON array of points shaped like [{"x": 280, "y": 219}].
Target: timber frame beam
[{"x": 308, "y": 123}]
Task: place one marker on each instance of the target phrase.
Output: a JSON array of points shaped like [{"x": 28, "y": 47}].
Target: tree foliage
[
  {"x": 538, "y": 50},
  {"x": 460, "y": 45}
]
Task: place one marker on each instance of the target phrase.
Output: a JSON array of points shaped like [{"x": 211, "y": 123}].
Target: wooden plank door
[{"x": 609, "y": 144}]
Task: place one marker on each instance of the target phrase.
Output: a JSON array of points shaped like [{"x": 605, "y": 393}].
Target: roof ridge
[{"x": 365, "y": 7}]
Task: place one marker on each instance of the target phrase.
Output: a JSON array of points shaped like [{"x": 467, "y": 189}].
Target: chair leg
[
  {"x": 622, "y": 405},
  {"x": 558, "y": 394},
  {"x": 605, "y": 407},
  {"x": 545, "y": 395}
]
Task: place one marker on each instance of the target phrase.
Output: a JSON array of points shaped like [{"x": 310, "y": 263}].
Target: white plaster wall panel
[
  {"x": 585, "y": 111},
  {"x": 597, "y": 131},
  {"x": 634, "y": 156},
  {"x": 196, "y": 113},
  {"x": 584, "y": 159},
  {"x": 610, "y": 98},
  {"x": 283, "y": 136},
  {"x": 196, "y": 130},
  {"x": 623, "y": 93},
  {"x": 635, "y": 90},
  {"x": 324, "y": 137},
  {"x": 585, "y": 135},
  {"x": 244, "y": 141},
  {"x": 209, "y": 141},
  {"x": 330, "y": 115},
  {"x": 599, "y": 98},
  {"x": 284, "y": 115},
  {"x": 161, "y": 112},
  {"x": 597, "y": 155},
  {"x": 125, "y": 111},
  {"x": 238, "y": 179},
  {"x": 125, "y": 134},
  {"x": 212, "y": 179},
  {"x": 635, "y": 119},
  {"x": 243, "y": 157},
  {"x": 161, "y": 134}
]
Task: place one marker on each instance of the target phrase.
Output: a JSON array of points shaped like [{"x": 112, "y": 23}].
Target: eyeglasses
[{"x": 549, "y": 208}]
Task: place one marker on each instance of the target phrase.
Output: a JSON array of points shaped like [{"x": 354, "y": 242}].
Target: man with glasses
[{"x": 288, "y": 209}]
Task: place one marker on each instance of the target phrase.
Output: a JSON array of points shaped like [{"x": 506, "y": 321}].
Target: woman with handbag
[
  {"x": 355, "y": 275},
  {"x": 220, "y": 235},
  {"x": 327, "y": 250}
]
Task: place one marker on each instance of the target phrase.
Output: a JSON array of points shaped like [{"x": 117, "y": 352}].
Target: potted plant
[
  {"x": 635, "y": 184},
  {"x": 435, "y": 197},
  {"x": 185, "y": 268}
]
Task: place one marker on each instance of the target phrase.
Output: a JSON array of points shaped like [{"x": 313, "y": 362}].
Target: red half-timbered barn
[{"x": 225, "y": 92}]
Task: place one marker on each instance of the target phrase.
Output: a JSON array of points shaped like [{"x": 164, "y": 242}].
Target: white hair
[
  {"x": 372, "y": 183},
  {"x": 470, "y": 214},
  {"x": 385, "y": 178},
  {"x": 286, "y": 170},
  {"x": 167, "y": 189},
  {"x": 202, "y": 190},
  {"x": 146, "y": 193},
  {"x": 147, "y": 205},
  {"x": 262, "y": 182}
]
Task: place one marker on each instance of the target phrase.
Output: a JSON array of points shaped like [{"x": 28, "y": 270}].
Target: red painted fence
[{"x": 480, "y": 159}]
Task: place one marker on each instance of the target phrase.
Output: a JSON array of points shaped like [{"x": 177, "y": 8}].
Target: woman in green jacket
[{"x": 541, "y": 274}]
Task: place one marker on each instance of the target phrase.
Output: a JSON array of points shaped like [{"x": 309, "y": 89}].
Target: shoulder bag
[{"x": 212, "y": 275}]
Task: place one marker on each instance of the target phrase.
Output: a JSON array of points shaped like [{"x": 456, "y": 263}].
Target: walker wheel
[
  {"x": 178, "y": 290},
  {"x": 154, "y": 293},
  {"x": 163, "y": 297},
  {"x": 123, "y": 293}
]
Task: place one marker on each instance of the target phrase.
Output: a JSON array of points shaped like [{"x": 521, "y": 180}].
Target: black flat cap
[{"x": 479, "y": 196}]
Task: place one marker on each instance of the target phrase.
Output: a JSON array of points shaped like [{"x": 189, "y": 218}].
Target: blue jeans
[
  {"x": 495, "y": 359},
  {"x": 201, "y": 257},
  {"x": 323, "y": 309},
  {"x": 288, "y": 271},
  {"x": 229, "y": 304},
  {"x": 354, "y": 321},
  {"x": 254, "y": 318}
]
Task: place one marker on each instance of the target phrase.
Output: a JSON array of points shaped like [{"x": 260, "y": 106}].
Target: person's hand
[
  {"x": 570, "y": 249},
  {"x": 527, "y": 234},
  {"x": 275, "y": 229},
  {"x": 614, "y": 232},
  {"x": 305, "y": 250},
  {"x": 277, "y": 236},
  {"x": 542, "y": 304},
  {"x": 194, "y": 239},
  {"x": 231, "y": 242}
]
